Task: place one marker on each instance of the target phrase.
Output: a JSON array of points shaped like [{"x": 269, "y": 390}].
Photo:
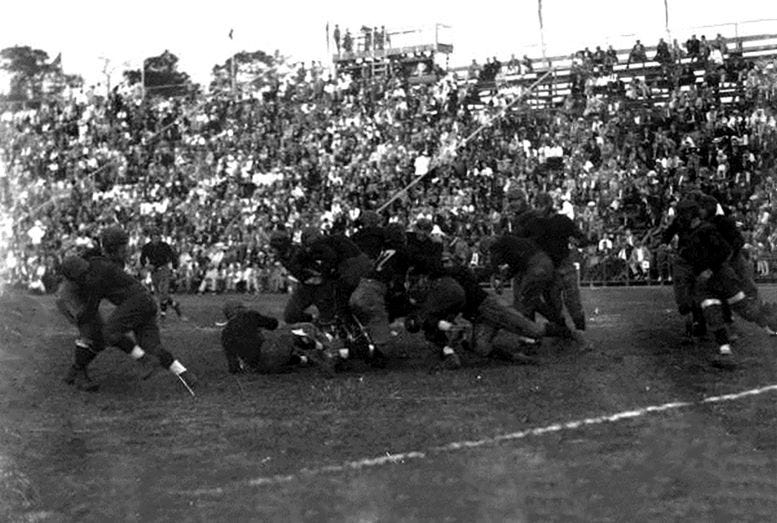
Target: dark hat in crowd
[
  {"x": 232, "y": 307},
  {"x": 113, "y": 237},
  {"x": 74, "y": 267}
]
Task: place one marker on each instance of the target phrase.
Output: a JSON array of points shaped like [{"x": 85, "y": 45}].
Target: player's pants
[
  {"x": 487, "y": 339},
  {"x": 160, "y": 277},
  {"x": 444, "y": 300},
  {"x": 137, "y": 314},
  {"x": 725, "y": 286},
  {"x": 350, "y": 272},
  {"x": 533, "y": 290},
  {"x": 305, "y": 296},
  {"x": 90, "y": 332},
  {"x": 683, "y": 281},
  {"x": 566, "y": 281},
  {"x": 368, "y": 304},
  {"x": 743, "y": 268},
  {"x": 495, "y": 313}
]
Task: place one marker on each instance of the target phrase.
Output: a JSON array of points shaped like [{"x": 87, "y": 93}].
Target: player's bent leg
[
  {"x": 492, "y": 311},
  {"x": 77, "y": 374},
  {"x": 368, "y": 305},
  {"x": 713, "y": 314},
  {"x": 299, "y": 300},
  {"x": 570, "y": 291}
]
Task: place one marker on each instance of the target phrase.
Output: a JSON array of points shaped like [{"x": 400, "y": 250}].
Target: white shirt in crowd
[
  {"x": 422, "y": 165},
  {"x": 36, "y": 233}
]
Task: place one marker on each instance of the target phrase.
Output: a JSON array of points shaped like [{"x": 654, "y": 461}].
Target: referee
[{"x": 161, "y": 260}]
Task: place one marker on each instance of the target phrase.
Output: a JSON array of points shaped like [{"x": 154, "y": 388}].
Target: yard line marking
[{"x": 460, "y": 445}]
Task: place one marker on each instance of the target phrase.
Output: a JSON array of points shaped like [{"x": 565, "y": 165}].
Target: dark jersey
[
  {"x": 552, "y": 234},
  {"x": 425, "y": 255},
  {"x": 293, "y": 261},
  {"x": 158, "y": 255},
  {"x": 242, "y": 338},
  {"x": 706, "y": 248},
  {"x": 369, "y": 240},
  {"x": 513, "y": 251},
  {"x": 473, "y": 292},
  {"x": 675, "y": 229},
  {"x": 727, "y": 228},
  {"x": 390, "y": 267},
  {"x": 518, "y": 224},
  {"x": 106, "y": 280},
  {"x": 325, "y": 255}
]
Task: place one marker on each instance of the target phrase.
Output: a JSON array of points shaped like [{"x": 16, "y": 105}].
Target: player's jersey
[
  {"x": 326, "y": 254},
  {"x": 706, "y": 248},
  {"x": 293, "y": 261},
  {"x": 473, "y": 292},
  {"x": 425, "y": 255},
  {"x": 390, "y": 266},
  {"x": 513, "y": 251},
  {"x": 727, "y": 228},
  {"x": 552, "y": 234},
  {"x": 158, "y": 255},
  {"x": 370, "y": 240},
  {"x": 243, "y": 338},
  {"x": 675, "y": 229}
]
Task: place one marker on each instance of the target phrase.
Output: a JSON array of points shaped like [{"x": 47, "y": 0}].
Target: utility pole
[{"x": 143, "y": 79}]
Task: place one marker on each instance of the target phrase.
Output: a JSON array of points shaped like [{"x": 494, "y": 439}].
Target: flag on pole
[
  {"x": 327, "y": 38},
  {"x": 539, "y": 12},
  {"x": 666, "y": 15},
  {"x": 231, "y": 33},
  {"x": 542, "y": 29}
]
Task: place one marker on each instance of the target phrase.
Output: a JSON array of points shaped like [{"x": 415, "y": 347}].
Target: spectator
[
  {"x": 336, "y": 35},
  {"x": 637, "y": 54}
]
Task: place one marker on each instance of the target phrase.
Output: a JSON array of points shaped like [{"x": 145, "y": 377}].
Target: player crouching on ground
[
  {"x": 253, "y": 341},
  {"x": 709, "y": 254},
  {"x": 102, "y": 278},
  {"x": 70, "y": 301}
]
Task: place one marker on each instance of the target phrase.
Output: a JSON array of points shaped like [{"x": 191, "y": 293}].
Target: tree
[
  {"x": 162, "y": 77},
  {"x": 27, "y": 68},
  {"x": 251, "y": 68}
]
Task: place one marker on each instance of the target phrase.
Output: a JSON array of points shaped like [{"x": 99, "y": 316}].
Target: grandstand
[
  {"x": 217, "y": 174},
  {"x": 553, "y": 93},
  {"x": 409, "y": 52}
]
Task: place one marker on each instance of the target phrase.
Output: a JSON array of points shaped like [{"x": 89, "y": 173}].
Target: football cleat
[
  {"x": 451, "y": 361},
  {"x": 188, "y": 380}
]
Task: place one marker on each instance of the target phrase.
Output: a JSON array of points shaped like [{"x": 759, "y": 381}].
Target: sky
[{"x": 87, "y": 32}]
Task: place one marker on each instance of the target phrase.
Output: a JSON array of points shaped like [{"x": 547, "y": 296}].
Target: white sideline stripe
[{"x": 459, "y": 445}]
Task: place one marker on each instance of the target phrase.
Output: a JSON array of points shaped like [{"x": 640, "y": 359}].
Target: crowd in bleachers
[{"x": 216, "y": 173}]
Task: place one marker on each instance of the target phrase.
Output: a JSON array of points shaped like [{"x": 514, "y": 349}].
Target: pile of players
[{"x": 361, "y": 285}]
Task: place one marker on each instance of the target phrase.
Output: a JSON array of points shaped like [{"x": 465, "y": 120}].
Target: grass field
[{"x": 620, "y": 433}]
